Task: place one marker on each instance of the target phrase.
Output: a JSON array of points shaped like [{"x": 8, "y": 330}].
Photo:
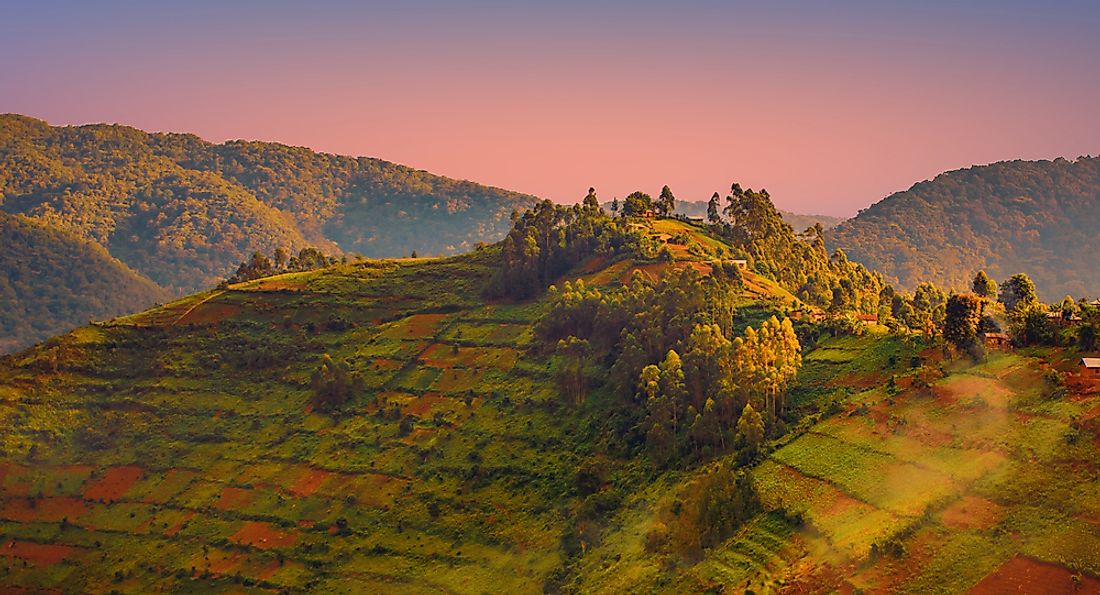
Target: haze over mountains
[
  {"x": 183, "y": 212},
  {"x": 53, "y": 280},
  {"x": 1038, "y": 217},
  {"x": 698, "y": 208},
  {"x": 179, "y": 213}
]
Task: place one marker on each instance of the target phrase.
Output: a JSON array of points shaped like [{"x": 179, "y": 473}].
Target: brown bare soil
[
  {"x": 1028, "y": 575},
  {"x": 113, "y": 484},
  {"x": 971, "y": 512},
  {"x": 233, "y": 498},
  {"x": 419, "y": 326},
  {"x": 423, "y": 404},
  {"x": 653, "y": 271},
  {"x": 263, "y": 535},
  {"x": 49, "y": 510},
  {"x": 310, "y": 481},
  {"x": 222, "y": 562},
  {"x": 209, "y": 313},
  {"x": 37, "y": 553}
]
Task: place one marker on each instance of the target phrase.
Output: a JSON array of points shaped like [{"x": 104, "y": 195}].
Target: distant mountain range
[
  {"x": 104, "y": 219},
  {"x": 797, "y": 221},
  {"x": 51, "y": 280},
  {"x": 183, "y": 212},
  {"x": 1037, "y": 217}
]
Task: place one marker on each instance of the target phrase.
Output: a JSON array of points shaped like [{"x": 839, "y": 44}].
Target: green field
[{"x": 179, "y": 449}]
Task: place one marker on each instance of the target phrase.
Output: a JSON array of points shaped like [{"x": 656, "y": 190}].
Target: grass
[{"x": 183, "y": 437}]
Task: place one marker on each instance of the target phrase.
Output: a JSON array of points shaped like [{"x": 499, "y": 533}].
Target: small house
[
  {"x": 868, "y": 318},
  {"x": 1060, "y": 318},
  {"x": 695, "y": 218},
  {"x": 1090, "y": 367},
  {"x": 997, "y": 341},
  {"x": 741, "y": 263}
]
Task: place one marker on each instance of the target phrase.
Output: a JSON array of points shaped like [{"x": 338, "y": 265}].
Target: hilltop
[
  {"x": 594, "y": 404},
  {"x": 184, "y": 212},
  {"x": 798, "y": 221},
  {"x": 51, "y": 280},
  {"x": 1038, "y": 217},
  {"x": 378, "y": 423}
]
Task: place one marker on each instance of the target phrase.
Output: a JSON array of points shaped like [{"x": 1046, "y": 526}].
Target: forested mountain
[
  {"x": 185, "y": 212},
  {"x": 1038, "y": 217},
  {"x": 799, "y": 222},
  {"x": 51, "y": 281}
]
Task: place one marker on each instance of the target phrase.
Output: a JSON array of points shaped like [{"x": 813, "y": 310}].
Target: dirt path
[{"x": 192, "y": 308}]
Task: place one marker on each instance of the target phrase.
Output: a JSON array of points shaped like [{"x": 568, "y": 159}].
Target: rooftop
[{"x": 1090, "y": 362}]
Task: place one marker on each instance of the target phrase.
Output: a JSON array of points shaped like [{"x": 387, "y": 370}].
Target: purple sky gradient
[{"x": 829, "y": 105}]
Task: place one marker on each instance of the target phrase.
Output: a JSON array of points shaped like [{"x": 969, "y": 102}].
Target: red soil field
[
  {"x": 263, "y": 536},
  {"x": 423, "y": 404},
  {"x": 233, "y": 498},
  {"x": 113, "y": 484},
  {"x": 310, "y": 481},
  {"x": 652, "y": 270},
  {"x": 971, "y": 512},
  {"x": 37, "y": 553},
  {"x": 209, "y": 313},
  {"x": 49, "y": 510},
  {"x": 224, "y": 563},
  {"x": 387, "y": 364},
  {"x": 1028, "y": 575}
]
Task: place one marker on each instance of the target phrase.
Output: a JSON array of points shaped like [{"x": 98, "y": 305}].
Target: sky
[{"x": 830, "y": 106}]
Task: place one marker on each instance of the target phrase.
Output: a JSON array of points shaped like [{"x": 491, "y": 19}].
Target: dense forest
[
  {"x": 51, "y": 280},
  {"x": 185, "y": 212},
  {"x": 1038, "y": 217}
]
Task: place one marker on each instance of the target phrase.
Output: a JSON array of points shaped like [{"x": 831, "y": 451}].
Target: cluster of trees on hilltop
[
  {"x": 1037, "y": 216},
  {"x": 50, "y": 281},
  {"x": 692, "y": 383},
  {"x": 281, "y": 261},
  {"x": 549, "y": 239},
  {"x": 749, "y": 222}
]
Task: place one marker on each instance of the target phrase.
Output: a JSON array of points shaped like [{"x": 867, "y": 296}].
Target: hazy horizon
[{"x": 831, "y": 109}]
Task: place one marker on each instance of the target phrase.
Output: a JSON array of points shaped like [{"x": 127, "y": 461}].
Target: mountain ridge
[
  {"x": 1037, "y": 217},
  {"x": 185, "y": 212}
]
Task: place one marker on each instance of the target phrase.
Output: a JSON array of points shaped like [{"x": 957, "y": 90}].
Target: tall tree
[
  {"x": 637, "y": 203},
  {"x": 750, "y": 430},
  {"x": 963, "y": 315},
  {"x": 666, "y": 202},
  {"x": 713, "y": 215},
  {"x": 983, "y": 286},
  {"x": 1018, "y": 294}
]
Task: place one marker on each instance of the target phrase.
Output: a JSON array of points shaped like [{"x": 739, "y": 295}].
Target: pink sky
[{"x": 829, "y": 110}]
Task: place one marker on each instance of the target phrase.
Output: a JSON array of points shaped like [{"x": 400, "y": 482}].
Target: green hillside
[
  {"x": 184, "y": 212},
  {"x": 655, "y": 421},
  {"x": 51, "y": 281},
  {"x": 1038, "y": 217}
]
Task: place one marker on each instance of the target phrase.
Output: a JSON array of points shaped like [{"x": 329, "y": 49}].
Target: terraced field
[
  {"x": 185, "y": 476},
  {"x": 933, "y": 489},
  {"x": 179, "y": 449}
]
